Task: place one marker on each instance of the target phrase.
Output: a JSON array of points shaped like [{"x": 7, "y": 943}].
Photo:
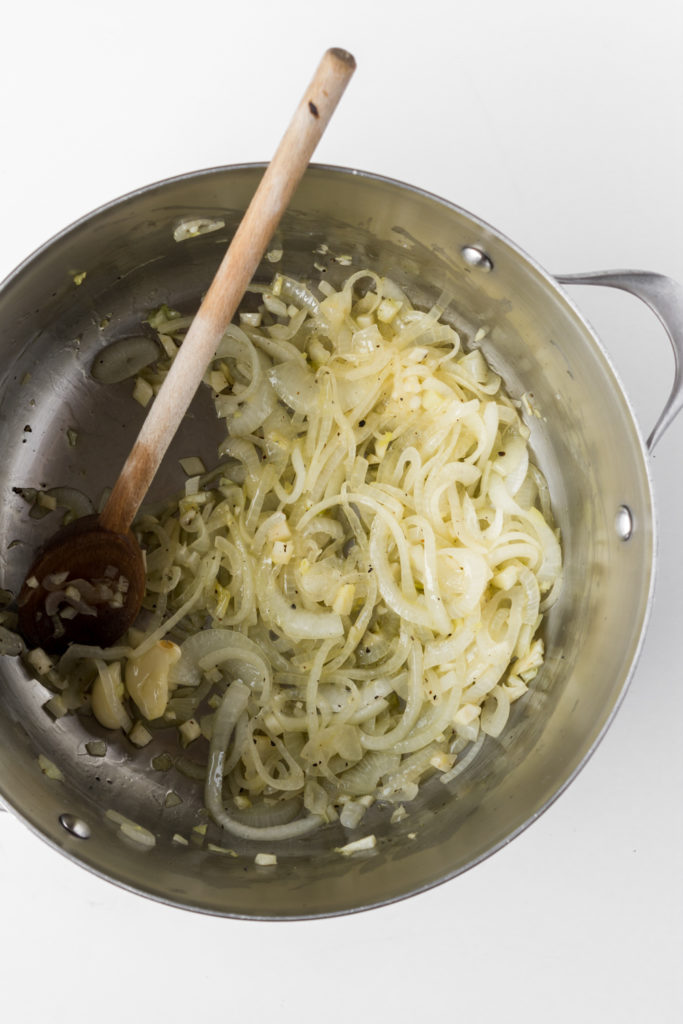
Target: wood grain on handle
[{"x": 228, "y": 286}]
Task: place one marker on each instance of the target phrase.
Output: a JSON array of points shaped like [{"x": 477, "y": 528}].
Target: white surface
[{"x": 560, "y": 124}]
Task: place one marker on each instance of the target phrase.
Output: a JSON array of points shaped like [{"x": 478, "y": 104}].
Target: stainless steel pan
[{"x": 585, "y": 439}]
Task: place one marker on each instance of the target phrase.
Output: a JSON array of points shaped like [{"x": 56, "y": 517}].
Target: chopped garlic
[
  {"x": 137, "y": 833},
  {"x": 189, "y": 731},
  {"x": 352, "y": 813},
  {"x": 143, "y": 392},
  {"x": 56, "y": 706},
  {"x": 514, "y": 688},
  {"x": 96, "y": 748},
  {"x": 251, "y": 319},
  {"x": 38, "y": 659},
  {"x": 162, "y": 762},
  {"x": 139, "y": 735},
  {"x": 364, "y": 320},
  {"x": 168, "y": 344},
  {"x": 265, "y": 859},
  {"x": 50, "y": 769},
  {"x": 343, "y": 602},
  {"x": 366, "y": 843},
  {"x": 279, "y": 531},
  {"x": 217, "y": 381},
  {"x": 282, "y": 552},
  {"x": 193, "y": 465},
  {"x": 197, "y": 497},
  {"x": 442, "y": 762},
  {"x": 527, "y": 667},
  {"x": 431, "y": 400},
  {"x": 387, "y": 310},
  {"x": 411, "y": 384},
  {"x": 318, "y": 353},
  {"x": 382, "y": 443},
  {"x": 466, "y": 714},
  {"x": 527, "y": 401}
]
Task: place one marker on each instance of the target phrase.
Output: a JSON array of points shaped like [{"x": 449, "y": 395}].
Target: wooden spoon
[{"x": 97, "y": 556}]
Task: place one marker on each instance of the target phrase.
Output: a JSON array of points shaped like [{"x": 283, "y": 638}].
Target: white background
[{"x": 559, "y": 123}]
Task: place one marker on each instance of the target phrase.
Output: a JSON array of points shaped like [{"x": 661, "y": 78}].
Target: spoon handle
[{"x": 228, "y": 286}]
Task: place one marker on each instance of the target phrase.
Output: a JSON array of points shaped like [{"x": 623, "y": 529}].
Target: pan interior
[{"x": 584, "y": 438}]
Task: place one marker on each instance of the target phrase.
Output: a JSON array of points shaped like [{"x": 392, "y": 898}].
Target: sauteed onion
[{"x": 350, "y": 601}]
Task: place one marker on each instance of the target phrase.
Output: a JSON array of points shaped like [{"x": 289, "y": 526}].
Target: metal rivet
[
  {"x": 624, "y": 522},
  {"x": 74, "y": 826},
  {"x": 476, "y": 258}
]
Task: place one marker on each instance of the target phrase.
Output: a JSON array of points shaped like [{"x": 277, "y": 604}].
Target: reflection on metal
[
  {"x": 476, "y": 258},
  {"x": 74, "y": 826},
  {"x": 624, "y": 522}
]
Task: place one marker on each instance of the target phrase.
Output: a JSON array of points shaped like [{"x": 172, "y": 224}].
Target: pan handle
[{"x": 664, "y": 296}]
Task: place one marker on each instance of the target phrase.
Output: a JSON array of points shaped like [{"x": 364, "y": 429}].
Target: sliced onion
[
  {"x": 77, "y": 503},
  {"x": 211, "y": 647},
  {"x": 364, "y": 777},
  {"x": 263, "y": 815},
  {"x": 124, "y": 359},
  {"x": 299, "y": 294},
  {"x": 294, "y": 384},
  {"x": 295, "y": 623},
  {"x": 373, "y": 543},
  {"x": 227, "y": 715},
  {"x": 464, "y": 762}
]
